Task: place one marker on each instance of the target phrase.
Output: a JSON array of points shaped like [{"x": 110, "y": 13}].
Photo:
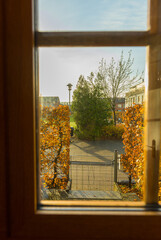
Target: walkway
[
  {"x": 94, "y": 195},
  {"x": 97, "y": 149},
  {"x": 91, "y": 166}
]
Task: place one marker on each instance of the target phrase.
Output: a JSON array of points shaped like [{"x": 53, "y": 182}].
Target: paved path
[
  {"x": 91, "y": 167},
  {"x": 99, "y": 149},
  {"x": 94, "y": 195}
]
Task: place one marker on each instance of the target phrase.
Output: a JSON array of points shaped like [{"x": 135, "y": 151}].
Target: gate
[{"x": 91, "y": 173}]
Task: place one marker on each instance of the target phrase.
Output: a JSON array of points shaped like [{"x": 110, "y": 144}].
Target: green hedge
[{"x": 113, "y": 131}]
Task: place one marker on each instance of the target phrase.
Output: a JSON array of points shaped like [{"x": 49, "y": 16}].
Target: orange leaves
[
  {"x": 54, "y": 146},
  {"x": 133, "y": 160}
]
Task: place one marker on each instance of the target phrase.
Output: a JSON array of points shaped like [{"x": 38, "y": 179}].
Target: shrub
[
  {"x": 83, "y": 135},
  {"x": 113, "y": 131},
  {"x": 54, "y": 146},
  {"x": 133, "y": 159},
  {"x": 90, "y": 106}
]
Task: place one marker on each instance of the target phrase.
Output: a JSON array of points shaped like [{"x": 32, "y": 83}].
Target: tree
[
  {"x": 54, "y": 146},
  {"x": 90, "y": 106},
  {"x": 119, "y": 77}
]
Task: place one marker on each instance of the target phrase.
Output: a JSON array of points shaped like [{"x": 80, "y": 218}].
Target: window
[
  {"x": 47, "y": 39},
  {"x": 24, "y": 220},
  {"x": 91, "y": 172}
]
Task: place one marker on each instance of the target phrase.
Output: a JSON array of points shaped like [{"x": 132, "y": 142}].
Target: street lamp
[{"x": 69, "y": 89}]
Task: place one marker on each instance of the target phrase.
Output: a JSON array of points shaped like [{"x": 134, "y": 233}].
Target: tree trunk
[
  {"x": 56, "y": 159},
  {"x": 55, "y": 174},
  {"x": 113, "y": 105},
  {"x": 130, "y": 181},
  {"x": 114, "y": 117}
]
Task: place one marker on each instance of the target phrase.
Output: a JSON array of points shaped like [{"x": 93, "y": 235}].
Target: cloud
[
  {"x": 76, "y": 15},
  {"x": 124, "y": 15}
]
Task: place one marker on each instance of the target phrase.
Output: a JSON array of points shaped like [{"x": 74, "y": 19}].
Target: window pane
[
  {"x": 83, "y": 96},
  {"x": 92, "y": 15}
]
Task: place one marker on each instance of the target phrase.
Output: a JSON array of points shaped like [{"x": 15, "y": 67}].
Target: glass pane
[
  {"x": 85, "y": 153},
  {"x": 92, "y": 15}
]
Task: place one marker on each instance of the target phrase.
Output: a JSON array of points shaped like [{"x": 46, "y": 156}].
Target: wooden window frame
[{"x": 21, "y": 217}]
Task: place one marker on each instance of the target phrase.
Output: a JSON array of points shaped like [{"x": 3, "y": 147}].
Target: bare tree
[{"x": 119, "y": 77}]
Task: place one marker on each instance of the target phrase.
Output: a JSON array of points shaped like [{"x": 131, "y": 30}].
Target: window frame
[{"x": 137, "y": 220}]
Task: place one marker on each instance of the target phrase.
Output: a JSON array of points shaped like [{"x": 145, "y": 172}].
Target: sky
[{"x": 60, "y": 66}]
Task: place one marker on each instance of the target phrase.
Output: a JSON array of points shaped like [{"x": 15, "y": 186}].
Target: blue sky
[
  {"x": 59, "y": 66},
  {"x": 91, "y": 15}
]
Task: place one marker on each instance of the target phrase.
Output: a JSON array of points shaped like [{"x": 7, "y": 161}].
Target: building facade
[
  {"x": 120, "y": 104},
  {"x": 119, "y": 108},
  {"x": 135, "y": 95},
  {"x": 49, "y": 101}
]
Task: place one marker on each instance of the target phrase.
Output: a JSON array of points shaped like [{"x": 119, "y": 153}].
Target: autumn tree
[
  {"x": 90, "y": 105},
  {"x": 119, "y": 76},
  {"x": 133, "y": 159},
  {"x": 54, "y": 146}
]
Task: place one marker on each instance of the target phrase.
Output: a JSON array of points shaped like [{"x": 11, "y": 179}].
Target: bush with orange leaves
[
  {"x": 54, "y": 146},
  {"x": 133, "y": 159}
]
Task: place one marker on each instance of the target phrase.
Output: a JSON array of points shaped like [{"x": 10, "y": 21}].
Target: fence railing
[
  {"x": 95, "y": 173},
  {"x": 119, "y": 173},
  {"x": 91, "y": 173}
]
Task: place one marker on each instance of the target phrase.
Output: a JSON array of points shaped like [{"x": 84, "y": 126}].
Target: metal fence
[
  {"x": 121, "y": 175},
  {"x": 89, "y": 172}
]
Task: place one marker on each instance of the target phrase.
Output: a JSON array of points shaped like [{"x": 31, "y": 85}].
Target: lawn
[{"x": 72, "y": 123}]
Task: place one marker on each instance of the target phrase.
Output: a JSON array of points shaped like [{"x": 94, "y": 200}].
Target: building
[
  {"x": 49, "y": 101},
  {"x": 120, "y": 104},
  {"x": 64, "y": 103},
  {"x": 135, "y": 95},
  {"x": 119, "y": 109}
]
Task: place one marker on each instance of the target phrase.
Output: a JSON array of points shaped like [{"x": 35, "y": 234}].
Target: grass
[{"x": 72, "y": 123}]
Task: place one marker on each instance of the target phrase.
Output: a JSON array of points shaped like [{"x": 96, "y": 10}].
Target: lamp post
[{"x": 69, "y": 89}]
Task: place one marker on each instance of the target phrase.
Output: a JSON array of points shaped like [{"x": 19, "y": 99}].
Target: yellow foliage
[
  {"x": 133, "y": 159},
  {"x": 54, "y": 146}
]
